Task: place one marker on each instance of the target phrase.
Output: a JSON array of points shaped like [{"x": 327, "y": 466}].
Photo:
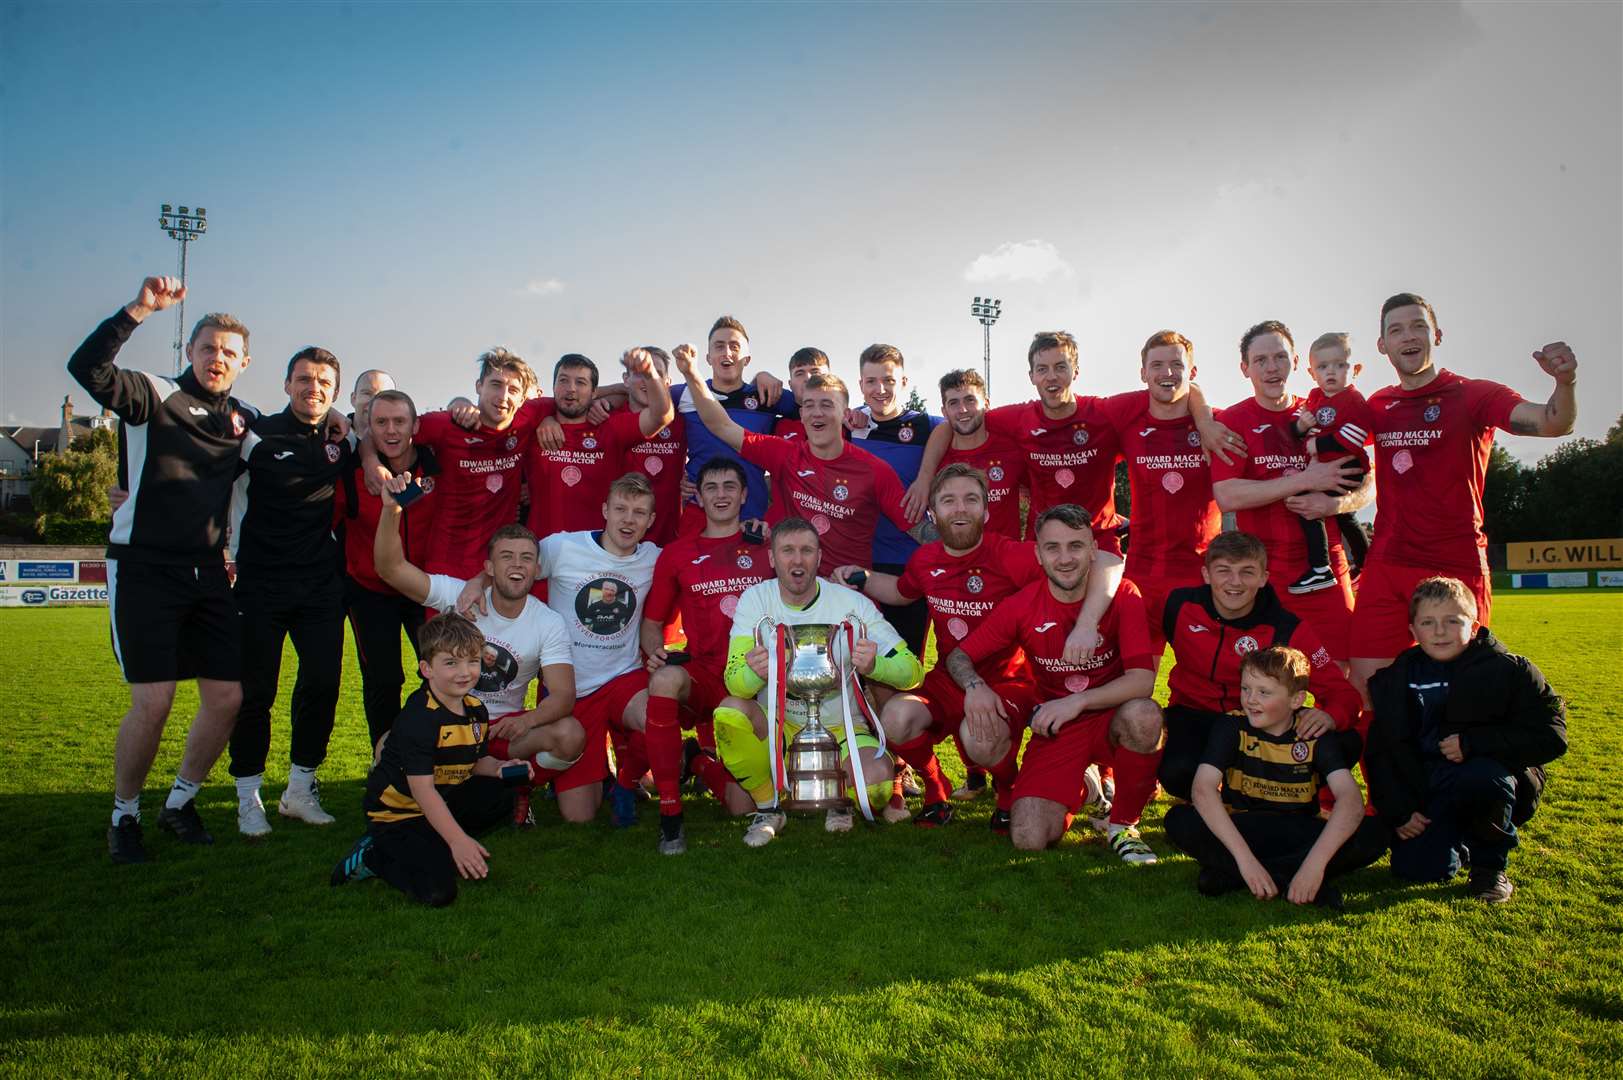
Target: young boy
[
  {"x": 1462, "y": 729},
  {"x": 433, "y": 787},
  {"x": 1341, "y": 416},
  {"x": 1263, "y": 832}
]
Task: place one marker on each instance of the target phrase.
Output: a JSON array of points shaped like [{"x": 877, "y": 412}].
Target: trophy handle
[{"x": 764, "y": 621}]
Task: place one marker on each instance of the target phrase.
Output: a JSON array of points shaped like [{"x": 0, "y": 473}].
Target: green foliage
[
  {"x": 72, "y": 484},
  {"x": 886, "y": 952},
  {"x": 1124, "y": 491},
  {"x": 915, "y": 400},
  {"x": 19, "y": 528},
  {"x": 53, "y": 530},
  {"x": 1575, "y": 493}
]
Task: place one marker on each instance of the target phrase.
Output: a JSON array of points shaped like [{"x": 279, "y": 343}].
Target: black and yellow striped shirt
[
  {"x": 1278, "y": 774},
  {"x": 427, "y": 739}
]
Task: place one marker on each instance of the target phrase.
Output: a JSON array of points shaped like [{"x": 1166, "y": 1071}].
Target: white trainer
[
  {"x": 892, "y": 814},
  {"x": 838, "y": 820},
  {"x": 305, "y": 805},
  {"x": 764, "y": 826},
  {"x": 251, "y": 820},
  {"x": 1095, "y": 803}
]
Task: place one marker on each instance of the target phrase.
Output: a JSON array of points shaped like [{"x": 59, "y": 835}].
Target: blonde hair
[
  {"x": 1440, "y": 589},
  {"x": 499, "y": 359}
]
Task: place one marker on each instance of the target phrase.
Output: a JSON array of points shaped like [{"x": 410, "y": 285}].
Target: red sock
[
  {"x": 631, "y": 759},
  {"x": 713, "y": 773},
  {"x": 664, "y": 741},
  {"x": 707, "y": 736},
  {"x": 1135, "y": 785},
  {"x": 1003, "y": 774},
  {"x": 920, "y": 753},
  {"x": 499, "y": 749}
]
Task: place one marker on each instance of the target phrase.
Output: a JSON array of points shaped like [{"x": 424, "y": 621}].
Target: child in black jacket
[{"x": 1462, "y": 729}]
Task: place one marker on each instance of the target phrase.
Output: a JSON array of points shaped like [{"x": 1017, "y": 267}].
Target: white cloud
[
  {"x": 544, "y": 286},
  {"x": 1028, "y": 260}
]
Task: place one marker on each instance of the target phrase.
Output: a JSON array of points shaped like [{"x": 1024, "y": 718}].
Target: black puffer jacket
[{"x": 1498, "y": 704}]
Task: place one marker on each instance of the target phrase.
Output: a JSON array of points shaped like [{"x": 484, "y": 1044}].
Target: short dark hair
[
  {"x": 513, "y": 531},
  {"x": 880, "y": 353},
  {"x": 808, "y": 357},
  {"x": 1067, "y": 514},
  {"x": 1044, "y": 340},
  {"x": 449, "y": 633},
  {"x": 958, "y": 470},
  {"x": 575, "y": 361},
  {"x": 727, "y": 322},
  {"x": 1267, "y": 326},
  {"x": 791, "y": 525},
  {"x": 399, "y": 396},
  {"x": 219, "y": 320},
  {"x": 1402, "y": 299},
  {"x": 720, "y": 463},
  {"x": 1236, "y": 546},
  {"x": 318, "y": 356},
  {"x": 661, "y": 358},
  {"x": 957, "y": 380},
  {"x": 1281, "y": 663}
]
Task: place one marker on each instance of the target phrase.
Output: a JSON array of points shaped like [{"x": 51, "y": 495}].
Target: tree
[
  {"x": 915, "y": 400},
  {"x": 72, "y": 484},
  {"x": 1124, "y": 491},
  {"x": 1502, "y": 496},
  {"x": 1574, "y": 494}
]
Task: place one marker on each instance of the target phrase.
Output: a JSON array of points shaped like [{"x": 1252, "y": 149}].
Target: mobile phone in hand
[{"x": 409, "y": 494}]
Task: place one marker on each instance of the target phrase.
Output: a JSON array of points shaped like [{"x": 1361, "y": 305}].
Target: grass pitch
[{"x": 893, "y": 951}]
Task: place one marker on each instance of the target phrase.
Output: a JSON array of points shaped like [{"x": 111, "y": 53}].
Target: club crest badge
[
  {"x": 1325, "y": 416},
  {"x": 1193, "y": 438},
  {"x": 1432, "y": 412},
  {"x": 1172, "y": 480},
  {"x": 906, "y": 434},
  {"x": 1299, "y": 752},
  {"x": 745, "y": 562},
  {"x": 841, "y": 492},
  {"x": 589, "y": 443},
  {"x": 570, "y": 475},
  {"x": 512, "y": 442},
  {"x": 752, "y": 403},
  {"x": 239, "y": 427},
  {"x": 334, "y": 452},
  {"x": 975, "y": 584},
  {"x": 1080, "y": 436},
  {"x": 427, "y": 484},
  {"x": 995, "y": 473},
  {"x": 1246, "y": 644},
  {"x": 664, "y": 433}
]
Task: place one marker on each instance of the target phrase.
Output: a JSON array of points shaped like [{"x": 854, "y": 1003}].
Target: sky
[{"x": 409, "y": 184}]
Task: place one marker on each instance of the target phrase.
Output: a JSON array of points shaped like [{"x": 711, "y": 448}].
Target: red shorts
[
  {"x": 596, "y": 711},
  {"x": 1155, "y": 589},
  {"x": 1053, "y": 767},
  {"x": 1328, "y": 611},
  {"x": 1380, "y": 626},
  {"x": 945, "y": 699},
  {"x": 705, "y": 694}
]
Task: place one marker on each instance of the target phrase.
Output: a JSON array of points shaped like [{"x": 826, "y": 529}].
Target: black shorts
[{"x": 173, "y": 622}]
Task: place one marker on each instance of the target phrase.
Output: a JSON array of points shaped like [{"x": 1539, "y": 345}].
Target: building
[{"x": 22, "y": 447}]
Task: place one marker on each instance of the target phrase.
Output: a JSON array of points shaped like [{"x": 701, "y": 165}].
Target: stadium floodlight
[
  {"x": 183, "y": 225},
  {"x": 986, "y": 311}
]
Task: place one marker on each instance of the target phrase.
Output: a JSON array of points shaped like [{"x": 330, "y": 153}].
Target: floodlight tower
[
  {"x": 986, "y": 311},
  {"x": 184, "y": 225}
]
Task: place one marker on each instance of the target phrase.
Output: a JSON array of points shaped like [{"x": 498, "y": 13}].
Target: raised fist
[
  {"x": 155, "y": 294},
  {"x": 684, "y": 355},
  {"x": 1558, "y": 361}
]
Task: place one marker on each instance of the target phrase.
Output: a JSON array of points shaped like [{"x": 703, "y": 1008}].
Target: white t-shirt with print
[
  {"x": 515, "y": 649},
  {"x": 600, "y": 598}
]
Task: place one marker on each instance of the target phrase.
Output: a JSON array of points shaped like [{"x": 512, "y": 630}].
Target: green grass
[{"x": 884, "y": 952}]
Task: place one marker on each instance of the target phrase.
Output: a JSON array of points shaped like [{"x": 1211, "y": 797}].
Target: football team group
[{"x": 628, "y": 550}]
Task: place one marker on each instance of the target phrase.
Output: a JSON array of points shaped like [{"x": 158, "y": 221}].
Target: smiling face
[
  {"x": 511, "y": 565},
  {"x": 795, "y": 556},
  {"x": 1167, "y": 372},
  {"x": 1052, "y": 373},
  {"x": 959, "y": 510},
  {"x": 1066, "y": 555},
  {"x": 882, "y": 384},
  {"x": 500, "y": 394},
  {"x": 1442, "y": 628},
  {"x": 721, "y": 496},
  {"x": 217, "y": 357},
  {"x": 728, "y": 355},
  {"x": 1268, "y": 703},
  {"x": 450, "y": 676},
  {"x": 392, "y": 427},
  {"x": 1407, "y": 337},
  {"x": 1269, "y": 361},
  {"x": 310, "y": 390},
  {"x": 964, "y": 408},
  {"x": 572, "y": 391},
  {"x": 1235, "y": 583},
  {"x": 626, "y": 519},
  {"x": 822, "y": 411}
]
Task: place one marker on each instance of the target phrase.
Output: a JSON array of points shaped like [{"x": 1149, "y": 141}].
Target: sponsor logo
[
  {"x": 1080, "y": 436},
  {"x": 729, "y": 604},
  {"x": 805, "y": 472},
  {"x": 1044, "y": 628},
  {"x": 472, "y": 440},
  {"x": 1325, "y": 416},
  {"x": 937, "y": 572},
  {"x": 1260, "y": 430},
  {"x": 570, "y": 475},
  {"x": 1390, "y": 405},
  {"x": 1065, "y": 478},
  {"x": 745, "y": 562},
  {"x": 654, "y": 465},
  {"x": 33, "y": 596},
  {"x": 1432, "y": 413},
  {"x": 958, "y": 628},
  {"x": 1299, "y": 752},
  {"x": 1402, "y": 461},
  {"x": 282, "y": 456},
  {"x": 76, "y": 594},
  {"x": 1146, "y": 433},
  {"x": 995, "y": 473},
  {"x": 1038, "y": 431},
  {"x": 589, "y": 443},
  {"x": 45, "y": 571},
  {"x": 334, "y": 452},
  {"x": 700, "y": 559},
  {"x": 1076, "y": 683},
  {"x": 1320, "y": 657},
  {"x": 841, "y": 492},
  {"x": 821, "y": 524},
  {"x": 1246, "y": 644},
  {"x": 1172, "y": 480},
  {"x": 493, "y": 483},
  {"x": 195, "y": 411},
  {"x": 1195, "y": 628},
  {"x": 974, "y": 584}
]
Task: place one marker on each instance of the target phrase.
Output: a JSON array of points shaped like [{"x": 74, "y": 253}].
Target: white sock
[
  {"x": 131, "y": 807},
  {"x": 299, "y": 779},
  {"x": 182, "y": 793},
  {"x": 248, "y": 788},
  {"x": 1114, "y": 828}
]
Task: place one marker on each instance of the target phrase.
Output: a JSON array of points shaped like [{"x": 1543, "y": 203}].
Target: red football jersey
[
  {"x": 1173, "y": 514},
  {"x": 700, "y": 577},
  {"x": 356, "y": 512},
  {"x": 1072, "y": 460},
  {"x": 842, "y": 498},
  {"x": 961, "y": 590},
  {"x": 1004, "y": 464},
  {"x": 1039, "y": 624},
  {"x": 1431, "y": 458},
  {"x": 788, "y": 428},
  {"x": 661, "y": 459},
  {"x": 480, "y": 474},
  {"x": 568, "y": 486},
  {"x": 1273, "y": 450},
  {"x": 1346, "y": 417}
]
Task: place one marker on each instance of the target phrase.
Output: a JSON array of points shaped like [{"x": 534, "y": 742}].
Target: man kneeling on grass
[
  {"x": 1462, "y": 730},
  {"x": 1263, "y": 832},
  {"x": 434, "y": 787}
]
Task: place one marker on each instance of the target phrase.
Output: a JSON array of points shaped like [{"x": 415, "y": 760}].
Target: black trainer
[
  {"x": 1329, "y": 897},
  {"x": 934, "y": 815},
  {"x": 124, "y": 842},
  {"x": 352, "y": 867},
  {"x": 1211, "y": 882},
  {"x": 1312, "y": 581},
  {"x": 185, "y": 824},
  {"x": 1491, "y": 886},
  {"x": 672, "y": 838},
  {"x": 999, "y": 822}
]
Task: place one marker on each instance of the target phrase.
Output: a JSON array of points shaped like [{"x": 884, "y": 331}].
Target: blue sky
[{"x": 409, "y": 184}]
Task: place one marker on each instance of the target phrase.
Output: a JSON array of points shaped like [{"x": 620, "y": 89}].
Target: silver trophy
[{"x": 815, "y": 780}]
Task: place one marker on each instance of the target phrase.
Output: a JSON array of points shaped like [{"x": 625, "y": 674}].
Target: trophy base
[{"x": 813, "y": 806}]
